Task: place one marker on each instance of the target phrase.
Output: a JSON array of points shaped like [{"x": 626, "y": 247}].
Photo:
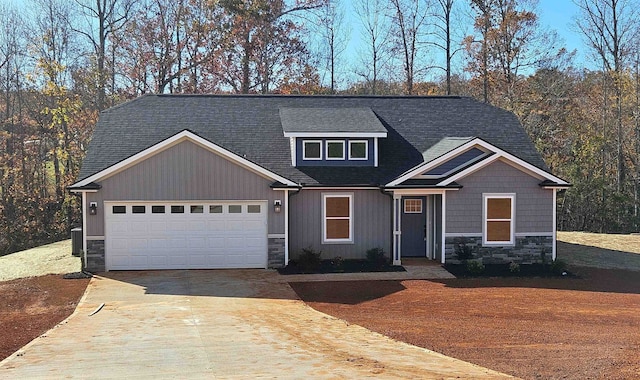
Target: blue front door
[{"x": 414, "y": 227}]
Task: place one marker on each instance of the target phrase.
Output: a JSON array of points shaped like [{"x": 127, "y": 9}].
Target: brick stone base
[
  {"x": 276, "y": 252},
  {"x": 95, "y": 256},
  {"x": 527, "y": 250}
]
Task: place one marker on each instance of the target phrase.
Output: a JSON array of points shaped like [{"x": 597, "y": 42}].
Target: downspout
[{"x": 84, "y": 229}]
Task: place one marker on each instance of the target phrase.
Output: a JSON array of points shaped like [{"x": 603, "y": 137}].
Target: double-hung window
[
  {"x": 312, "y": 150},
  {"x": 337, "y": 218},
  {"x": 498, "y": 219}
]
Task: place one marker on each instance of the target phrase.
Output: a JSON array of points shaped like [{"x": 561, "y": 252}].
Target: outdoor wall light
[
  {"x": 93, "y": 208},
  {"x": 277, "y": 206}
]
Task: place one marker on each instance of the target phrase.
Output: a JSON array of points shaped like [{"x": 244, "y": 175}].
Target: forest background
[{"x": 64, "y": 61}]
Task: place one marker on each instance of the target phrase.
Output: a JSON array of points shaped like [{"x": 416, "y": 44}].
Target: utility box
[{"x": 76, "y": 241}]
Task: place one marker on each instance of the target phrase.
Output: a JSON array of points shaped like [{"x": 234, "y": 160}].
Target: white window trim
[
  {"x": 324, "y": 218},
  {"x": 485, "y": 198},
  {"x": 304, "y": 150},
  {"x": 404, "y": 206},
  {"x": 366, "y": 150},
  {"x": 327, "y": 142}
]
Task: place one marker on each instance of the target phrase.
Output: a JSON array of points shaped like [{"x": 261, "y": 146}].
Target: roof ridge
[{"x": 336, "y": 96}]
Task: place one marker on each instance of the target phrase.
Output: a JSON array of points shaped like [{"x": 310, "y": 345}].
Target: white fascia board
[
  {"x": 425, "y": 166},
  {"x": 174, "y": 140},
  {"x": 413, "y": 192},
  {"x": 83, "y": 190},
  {"x": 335, "y": 134}
]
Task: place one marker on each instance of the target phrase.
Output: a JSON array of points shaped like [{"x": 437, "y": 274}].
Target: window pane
[
  {"x": 235, "y": 209},
  {"x": 119, "y": 209},
  {"x": 499, "y": 208},
  {"x": 413, "y": 206},
  {"x": 337, "y": 229},
  {"x": 253, "y": 209},
  {"x": 138, "y": 209},
  {"x": 215, "y": 209},
  {"x": 335, "y": 149},
  {"x": 312, "y": 149},
  {"x": 177, "y": 209},
  {"x": 358, "y": 150},
  {"x": 197, "y": 209},
  {"x": 337, "y": 206},
  {"x": 157, "y": 209},
  {"x": 498, "y": 231}
]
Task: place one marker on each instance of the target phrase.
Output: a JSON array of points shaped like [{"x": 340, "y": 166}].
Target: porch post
[
  {"x": 555, "y": 225},
  {"x": 397, "y": 233},
  {"x": 286, "y": 227},
  {"x": 84, "y": 229},
  {"x": 444, "y": 225}
]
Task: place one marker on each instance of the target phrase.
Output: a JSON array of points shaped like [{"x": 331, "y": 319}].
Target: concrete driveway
[{"x": 242, "y": 324}]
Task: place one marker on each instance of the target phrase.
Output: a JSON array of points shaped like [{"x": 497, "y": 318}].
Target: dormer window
[
  {"x": 358, "y": 150},
  {"x": 312, "y": 150},
  {"x": 335, "y": 150}
]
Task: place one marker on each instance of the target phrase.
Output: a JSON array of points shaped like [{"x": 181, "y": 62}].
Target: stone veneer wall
[
  {"x": 95, "y": 256},
  {"x": 527, "y": 250},
  {"x": 276, "y": 252}
]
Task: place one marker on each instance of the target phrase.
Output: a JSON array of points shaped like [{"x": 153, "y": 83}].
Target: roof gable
[{"x": 172, "y": 141}]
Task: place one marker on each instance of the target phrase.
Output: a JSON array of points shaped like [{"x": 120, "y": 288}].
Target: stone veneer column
[{"x": 276, "y": 252}]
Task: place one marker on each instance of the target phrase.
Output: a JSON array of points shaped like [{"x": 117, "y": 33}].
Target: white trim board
[
  {"x": 335, "y": 134},
  {"x": 185, "y": 135}
]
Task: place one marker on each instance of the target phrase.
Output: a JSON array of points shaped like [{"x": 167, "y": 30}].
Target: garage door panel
[{"x": 209, "y": 237}]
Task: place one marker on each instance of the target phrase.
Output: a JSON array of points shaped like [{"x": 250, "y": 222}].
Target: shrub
[
  {"x": 558, "y": 267},
  {"x": 377, "y": 257},
  {"x": 309, "y": 259},
  {"x": 475, "y": 268},
  {"x": 464, "y": 252},
  {"x": 337, "y": 263},
  {"x": 514, "y": 267}
]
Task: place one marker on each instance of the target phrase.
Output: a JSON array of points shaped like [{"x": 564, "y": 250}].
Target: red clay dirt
[
  {"x": 31, "y": 306},
  {"x": 533, "y": 328}
]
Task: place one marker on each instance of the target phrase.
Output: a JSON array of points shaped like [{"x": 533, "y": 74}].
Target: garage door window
[
  {"x": 177, "y": 209},
  {"x": 337, "y": 218},
  {"x": 215, "y": 209},
  {"x": 119, "y": 209},
  {"x": 138, "y": 209},
  {"x": 197, "y": 209},
  {"x": 157, "y": 209},
  {"x": 235, "y": 209},
  {"x": 253, "y": 209}
]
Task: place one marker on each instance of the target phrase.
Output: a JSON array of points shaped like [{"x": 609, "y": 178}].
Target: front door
[{"x": 414, "y": 227}]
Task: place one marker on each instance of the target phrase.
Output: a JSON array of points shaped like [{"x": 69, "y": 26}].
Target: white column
[
  {"x": 444, "y": 225},
  {"x": 555, "y": 225},
  {"x": 397, "y": 233},
  {"x": 84, "y": 227}
]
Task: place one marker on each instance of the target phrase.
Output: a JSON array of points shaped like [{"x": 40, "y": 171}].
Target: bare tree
[
  {"x": 101, "y": 19},
  {"x": 610, "y": 28},
  {"x": 443, "y": 31},
  {"x": 334, "y": 37},
  {"x": 409, "y": 18},
  {"x": 372, "y": 14}
]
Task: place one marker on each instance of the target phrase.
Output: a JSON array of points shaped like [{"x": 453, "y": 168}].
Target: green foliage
[
  {"x": 474, "y": 268},
  {"x": 377, "y": 257},
  {"x": 514, "y": 267},
  {"x": 463, "y": 251},
  {"x": 309, "y": 259}
]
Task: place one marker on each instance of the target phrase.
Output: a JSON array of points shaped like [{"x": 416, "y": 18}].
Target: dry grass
[
  {"x": 600, "y": 250},
  {"x": 53, "y": 258}
]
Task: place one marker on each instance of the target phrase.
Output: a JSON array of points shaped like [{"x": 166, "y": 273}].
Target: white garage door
[{"x": 161, "y": 235}]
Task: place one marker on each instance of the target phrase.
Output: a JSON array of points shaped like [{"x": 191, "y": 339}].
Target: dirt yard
[
  {"x": 533, "y": 328},
  {"x": 31, "y": 306}
]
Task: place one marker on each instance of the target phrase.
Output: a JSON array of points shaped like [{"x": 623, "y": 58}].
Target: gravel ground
[{"x": 53, "y": 258}]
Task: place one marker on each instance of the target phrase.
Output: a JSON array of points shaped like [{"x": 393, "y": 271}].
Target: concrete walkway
[{"x": 228, "y": 324}]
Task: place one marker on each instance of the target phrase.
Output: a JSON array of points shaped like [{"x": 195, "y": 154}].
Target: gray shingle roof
[
  {"x": 330, "y": 120},
  {"x": 250, "y": 126}
]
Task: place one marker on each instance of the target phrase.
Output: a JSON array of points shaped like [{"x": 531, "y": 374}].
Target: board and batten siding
[
  {"x": 185, "y": 172},
  {"x": 371, "y": 224},
  {"x": 534, "y": 205}
]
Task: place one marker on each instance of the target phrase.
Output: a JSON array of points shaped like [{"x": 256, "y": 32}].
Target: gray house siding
[
  {"x": 533, "y": 219},
  {"x": 185, "y": 172},
  {"x": 371, "y": 224},
  {"x": 534, "y": 205}
]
